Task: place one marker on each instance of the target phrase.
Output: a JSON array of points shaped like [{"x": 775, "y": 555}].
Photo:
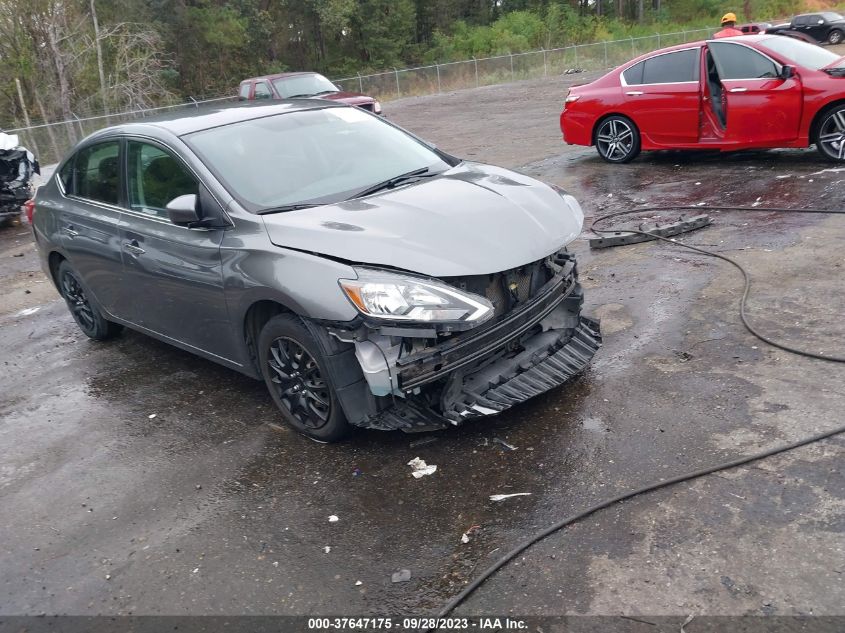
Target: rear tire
[
  {"x": 830, "y": 134},
  {"x": 834, "y": 37},
  {"x": 293, "y": 365},
  {"x": 617, "y": 139},
  {"x": 82, "y": 306}
]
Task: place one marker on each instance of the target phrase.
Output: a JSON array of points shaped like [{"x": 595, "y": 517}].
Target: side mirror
[
  {"x": 183, "y": 209},
  {"x": 786, "y": 72}
]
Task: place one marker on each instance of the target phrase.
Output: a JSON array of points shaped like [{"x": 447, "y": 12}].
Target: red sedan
[{"x": 749, "y": 92}]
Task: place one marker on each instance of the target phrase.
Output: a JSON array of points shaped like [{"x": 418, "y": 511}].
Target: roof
[
  {"x": 282, "y": 75},
  {"x": 187, "y": 119}
]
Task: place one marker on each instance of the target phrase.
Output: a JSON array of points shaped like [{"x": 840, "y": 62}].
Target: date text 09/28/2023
[{"x": 415, "y": 623}]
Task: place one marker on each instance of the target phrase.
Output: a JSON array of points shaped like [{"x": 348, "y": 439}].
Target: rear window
[
  {"x": 97, "y": 170},
  {"x": 668, "y": 68}
]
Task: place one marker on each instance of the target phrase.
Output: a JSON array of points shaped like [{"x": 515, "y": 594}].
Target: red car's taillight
[{"x": 29, "y": 210}]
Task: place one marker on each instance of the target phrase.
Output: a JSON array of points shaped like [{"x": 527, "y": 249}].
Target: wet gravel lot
[{"x": 136, "y": 478}]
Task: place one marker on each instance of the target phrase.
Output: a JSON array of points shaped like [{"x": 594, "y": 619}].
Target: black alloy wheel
[
  {"x": 830, "y": 139},
  {"x": 83, "y": 309},
  {"x": 299, "y": 383},
  {"x": 618, "y": 140},
  {"x": 294, "y": 363}
]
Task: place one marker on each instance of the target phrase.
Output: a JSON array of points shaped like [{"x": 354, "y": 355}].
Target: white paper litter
[
  {"x": 420, "y": 469},
  {"x": 464, "y": 538},
  {"x": 513, "y": 494},
  {"x": 333, "y": 518}
]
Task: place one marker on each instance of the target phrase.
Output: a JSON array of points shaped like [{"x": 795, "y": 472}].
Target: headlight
[
  {"x": 396, "y": 298},
  {"x": 377, "y": 107}
]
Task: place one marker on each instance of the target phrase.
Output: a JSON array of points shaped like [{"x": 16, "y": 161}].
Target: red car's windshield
[{"x": 801, "y": 53}]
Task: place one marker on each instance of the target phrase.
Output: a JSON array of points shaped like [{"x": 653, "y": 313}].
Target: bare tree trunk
[
  {"x": 62, "y": 75},
  {"x": 26, "y": 116},
  {"x": 99, "y": 48},
  {"x": 640, "y": 11},
  {"x": 57, "y": 154}
]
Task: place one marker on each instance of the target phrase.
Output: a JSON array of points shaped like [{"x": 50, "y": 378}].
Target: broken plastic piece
[
  {"x": 513, "y": 494},
  {"x": 509, "y": 447},
  {"x": 420, "y": 469},
  {"x": 403, "y": 575}
]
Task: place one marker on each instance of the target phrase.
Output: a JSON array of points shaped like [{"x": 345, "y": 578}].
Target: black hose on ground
[{"x": 504, "y": 560}]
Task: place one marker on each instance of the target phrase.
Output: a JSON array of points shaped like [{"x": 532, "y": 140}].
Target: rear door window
[
  {"x": 677, "y": 67},
  {"x": 736, "y": 61},
  {"x": 97, "y": 173}
]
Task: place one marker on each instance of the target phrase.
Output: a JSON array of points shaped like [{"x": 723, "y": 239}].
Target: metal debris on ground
[
  {"x": 423, "y": 441},
  {"x": 513, "y": 494},
  {"x": 620, "y": 238},
  {"x": 403, "y": 575},
  {"x": 509, "y": 447},
  {"x": 420, "y": 469}
]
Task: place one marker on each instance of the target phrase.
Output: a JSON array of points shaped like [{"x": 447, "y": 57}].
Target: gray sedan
[{"x": 370, "y": 279}]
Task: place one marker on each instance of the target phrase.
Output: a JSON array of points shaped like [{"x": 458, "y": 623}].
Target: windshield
[
  {"x": 303, "y": 86},
  {"x": 309, "y": 157},
  {"x": 801, "y": 53},
  {"x": 830, "y": 16}
]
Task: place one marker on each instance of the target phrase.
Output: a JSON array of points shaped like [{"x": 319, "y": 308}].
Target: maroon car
[{"x": 302, "y": 85}]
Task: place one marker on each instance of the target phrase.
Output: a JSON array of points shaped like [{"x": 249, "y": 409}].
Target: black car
[{"x": 827, "y": 26}]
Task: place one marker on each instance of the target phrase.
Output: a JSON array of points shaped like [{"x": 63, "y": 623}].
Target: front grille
[{"x": 507, "y": 289}]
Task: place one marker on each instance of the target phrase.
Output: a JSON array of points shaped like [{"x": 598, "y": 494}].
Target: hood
[
  {"x": 473, "y": 219},
  {"x": 351, "y": 98}
]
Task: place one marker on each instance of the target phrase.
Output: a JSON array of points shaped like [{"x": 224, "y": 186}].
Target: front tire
[
  {"x": 834, "y": 37},
  {"x": 83, "y": 308},
  {"x": 830, "y": 138},
  {"x": 617, "y": 139},
  {"x": 294, "y": 368}
]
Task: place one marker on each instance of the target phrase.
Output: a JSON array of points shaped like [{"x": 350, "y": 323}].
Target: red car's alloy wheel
[
  {"x": 617, "y": 140},
  {"x": 831, "y": 139}
]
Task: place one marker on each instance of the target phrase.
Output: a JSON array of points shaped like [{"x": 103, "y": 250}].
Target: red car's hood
[{"x": 350, "y": 98}]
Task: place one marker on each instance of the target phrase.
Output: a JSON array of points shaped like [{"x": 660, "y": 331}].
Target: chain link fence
[
  {"x": 473, "y": 73},
  {"x": 51, "y": 141}
]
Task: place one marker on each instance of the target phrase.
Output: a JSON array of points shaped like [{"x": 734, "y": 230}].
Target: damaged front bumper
[{"x": 416, "y": 384}]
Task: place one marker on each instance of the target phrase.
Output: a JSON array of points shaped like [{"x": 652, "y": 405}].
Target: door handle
[
  {"x": 69, "y": 230},
  {"x": 133, "y": 247},
  {"x": 739, "y": 89},
  {"x": 634, "y": 93}
]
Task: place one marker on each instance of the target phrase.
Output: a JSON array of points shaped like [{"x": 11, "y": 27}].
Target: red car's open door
[{"x": 761, "y": 104}]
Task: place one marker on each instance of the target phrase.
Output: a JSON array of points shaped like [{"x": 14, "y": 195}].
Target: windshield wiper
[
  {"x": 324, "y": 92},
  {"x": 304, "y": 94},
  {"x": 288, "y": 207},
  {"x": 390, "y": 183}
]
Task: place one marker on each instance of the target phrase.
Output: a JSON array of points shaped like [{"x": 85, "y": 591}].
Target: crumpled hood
[{"x": 474, "y": 219}]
